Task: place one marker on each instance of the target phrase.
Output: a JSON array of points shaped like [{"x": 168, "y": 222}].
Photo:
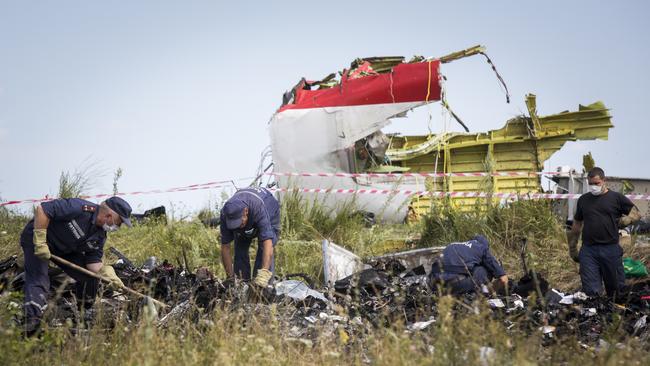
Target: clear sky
[{"x": 181, "y": 92}]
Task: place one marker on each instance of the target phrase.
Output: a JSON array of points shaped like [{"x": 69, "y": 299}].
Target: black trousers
[{"x": 37, "y": 282}]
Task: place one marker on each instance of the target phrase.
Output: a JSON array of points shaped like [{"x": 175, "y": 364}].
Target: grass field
[{"x": 451, "y": 340}]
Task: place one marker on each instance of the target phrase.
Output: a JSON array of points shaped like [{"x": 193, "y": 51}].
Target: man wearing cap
[
  {"x": 250, "y": 213},
  {"x": 464, "y": 267},
  {"x": 73, "y": 229}
]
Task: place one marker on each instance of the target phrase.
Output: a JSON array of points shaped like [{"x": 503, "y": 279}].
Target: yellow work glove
[
  {"x": 41, "y": 250},
  {"x": 629, "y": 219},
  {"x": 108, "y": 273},
  {"x": 572, "y": 239},
  {"x": 263, "y": 277}
]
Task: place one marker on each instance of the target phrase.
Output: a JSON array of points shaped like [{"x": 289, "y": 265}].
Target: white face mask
[
  {"x": 596, "y": 190},
  {"x": 110, "y": 228}
]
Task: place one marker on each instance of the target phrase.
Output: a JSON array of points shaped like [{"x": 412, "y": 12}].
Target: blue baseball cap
[
  {"x": 122, "y": 208},
  {"x": 233, "y": 211},
  {"x": 481, "y": 239}
]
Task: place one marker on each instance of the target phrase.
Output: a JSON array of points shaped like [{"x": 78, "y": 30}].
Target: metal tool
[{"x": 95, "y": 275}]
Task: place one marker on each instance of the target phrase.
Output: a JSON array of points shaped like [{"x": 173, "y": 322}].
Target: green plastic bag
[{"x": 634, "y": 268}]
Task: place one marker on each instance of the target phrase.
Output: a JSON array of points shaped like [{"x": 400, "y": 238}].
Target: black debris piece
[
  {"x": 374, "y": 297},
  {"x": 156, "y": 213}
]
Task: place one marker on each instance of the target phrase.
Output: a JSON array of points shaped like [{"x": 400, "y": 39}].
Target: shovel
[{"x": 95, "y": 275}]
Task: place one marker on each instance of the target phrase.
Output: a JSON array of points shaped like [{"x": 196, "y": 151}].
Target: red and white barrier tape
[
  {"x": 448, "y": 194},
  {"x": 193, "y": 187},
  {"x": 424, "y": 175},
  {"x": 433, "y": 194}
]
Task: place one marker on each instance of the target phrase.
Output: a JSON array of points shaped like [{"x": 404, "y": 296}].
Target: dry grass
[{"x": 451, "y": 340}]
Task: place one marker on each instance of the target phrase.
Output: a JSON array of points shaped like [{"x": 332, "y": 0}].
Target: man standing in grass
[
  {"x": 250, "y": 213},
  {"x": 598, "y": 216},
  {"x": 75, "y": 230}
]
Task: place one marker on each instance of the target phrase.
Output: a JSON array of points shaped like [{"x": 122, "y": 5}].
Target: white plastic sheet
[{"x": 297, "y": 290}]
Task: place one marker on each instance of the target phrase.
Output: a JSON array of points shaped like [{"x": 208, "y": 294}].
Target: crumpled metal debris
[{"x": 379, "y": 296}]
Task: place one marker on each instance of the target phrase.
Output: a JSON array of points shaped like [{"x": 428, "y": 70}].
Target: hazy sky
[{"x": 177, "y": 93}]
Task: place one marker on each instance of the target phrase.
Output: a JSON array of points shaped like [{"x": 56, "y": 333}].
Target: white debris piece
[
  {"x": 589, "y": 312},
  {"x": 547, "y": 329},
  {"x": 297, "y": 290},
  {"x": 312, "y": 319},
  {"x": 178, "y": 311},
  {"x": 567, "y": 300},
  {"x": 580, "y": 296},
  {"x": 640, "y": 324},
  {"x": 570, "y": 299},
  {"x": 496, "y": 303},
  {"x": 420, "y": 325},
  {"x": 339, "y": 262},
  {"x": 486, "y": 355},
  {"x": 336, "y": 318}
]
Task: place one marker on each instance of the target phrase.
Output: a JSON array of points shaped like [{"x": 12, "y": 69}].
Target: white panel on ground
[{"x": 339, "y": 262}]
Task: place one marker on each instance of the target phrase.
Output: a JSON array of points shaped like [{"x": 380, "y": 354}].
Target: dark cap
[
  {"x": 233, "y": 211},
  {"x": 122, "y": 208},
  {"x": 481, "y": 239}
]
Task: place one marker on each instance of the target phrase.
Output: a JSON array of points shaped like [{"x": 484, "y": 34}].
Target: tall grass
[
  {"x": 259, "y": 336},
  {"x": 11, "y": 225},
  {"x": 76, "y": 183},
  {"x": 504, "y": 226}
]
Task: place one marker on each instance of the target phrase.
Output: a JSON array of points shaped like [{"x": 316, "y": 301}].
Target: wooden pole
[{"x": 95, "y": 275}]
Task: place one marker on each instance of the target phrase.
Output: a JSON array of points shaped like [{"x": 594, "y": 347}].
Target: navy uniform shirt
[
  {"x": 263, "y": 215},
  {"x": 461, "y": 258},
  {"x": 600, "y": 215},
  {"x": 72, "y": 228}
]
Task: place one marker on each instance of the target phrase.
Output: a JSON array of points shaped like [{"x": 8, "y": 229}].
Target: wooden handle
[{"x": 95, "y": 275}]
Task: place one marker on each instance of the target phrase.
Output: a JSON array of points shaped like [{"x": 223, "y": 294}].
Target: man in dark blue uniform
[
  {"x": 465, "y": 267},
  {"x": 598, "y": 215},
  {"x": 73, "y": 229},
  {"x": 250, "y": 213}
]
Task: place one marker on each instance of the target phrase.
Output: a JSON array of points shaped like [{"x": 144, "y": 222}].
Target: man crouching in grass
[
  {"x": 250, "y": 213},
  {"x": 75, "y": 230}
]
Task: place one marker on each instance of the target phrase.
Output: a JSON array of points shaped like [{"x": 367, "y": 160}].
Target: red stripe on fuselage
[{"x": 416, "y": 82}]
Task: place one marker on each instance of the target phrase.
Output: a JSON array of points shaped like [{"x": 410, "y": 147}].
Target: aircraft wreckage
[{"x": 334, "y": 126}]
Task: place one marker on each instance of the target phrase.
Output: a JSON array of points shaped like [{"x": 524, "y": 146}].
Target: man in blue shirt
[
  {"x": 465, "y": 267},
  {"x": 250, "y": 213},
  {"x": 73, "y": 229}
]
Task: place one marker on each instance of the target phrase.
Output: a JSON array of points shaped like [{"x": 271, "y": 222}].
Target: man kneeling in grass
[{"x": 465, "y": 267}]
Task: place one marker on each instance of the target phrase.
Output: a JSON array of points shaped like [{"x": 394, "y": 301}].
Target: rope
[{"x": 426, "y": 100}]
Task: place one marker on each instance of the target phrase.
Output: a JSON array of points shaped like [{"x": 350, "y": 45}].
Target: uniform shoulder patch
[{"x": 88, "y": 208}]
